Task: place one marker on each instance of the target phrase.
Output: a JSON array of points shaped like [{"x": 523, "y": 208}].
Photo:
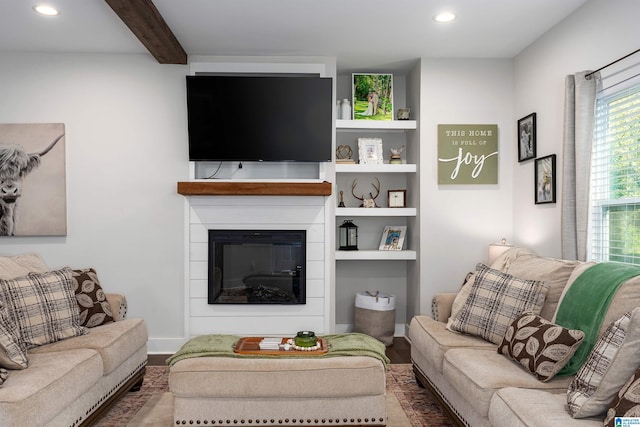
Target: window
[{"x": 615, "y": 178}]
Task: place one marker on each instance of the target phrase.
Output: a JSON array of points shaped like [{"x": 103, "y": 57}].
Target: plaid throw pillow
[
  {"x": 92, "y": 302},
  {"x": 495, "y": 301},
  {"x": 43, "y": 306},
  {"x": 612, "y": 361},
  {"x": 539, "y": 346},
  {"x": 12, "y": 353}
]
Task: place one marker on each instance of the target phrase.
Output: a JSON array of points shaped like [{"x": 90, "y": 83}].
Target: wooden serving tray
[{"x": 251, "y": 345}]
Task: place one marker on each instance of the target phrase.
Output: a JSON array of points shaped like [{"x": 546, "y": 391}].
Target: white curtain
[{"x": 579, "y": 115}]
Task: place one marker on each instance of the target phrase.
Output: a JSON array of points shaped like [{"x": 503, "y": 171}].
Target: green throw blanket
[
  {"x": 586, "y": 302},
  {"x": 339, "y": 345}
]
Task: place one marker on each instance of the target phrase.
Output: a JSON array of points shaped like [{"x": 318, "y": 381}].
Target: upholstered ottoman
[{"x": 279, "y": 391}]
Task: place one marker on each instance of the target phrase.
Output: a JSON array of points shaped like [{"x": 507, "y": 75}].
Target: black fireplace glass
[{"x": 257, "y": 267}]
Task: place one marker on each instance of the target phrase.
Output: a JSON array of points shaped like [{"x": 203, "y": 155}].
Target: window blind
[{"x": 615, "y": 178}]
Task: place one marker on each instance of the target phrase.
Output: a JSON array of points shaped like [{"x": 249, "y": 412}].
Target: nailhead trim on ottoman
[{"x": 223, "y": 391}]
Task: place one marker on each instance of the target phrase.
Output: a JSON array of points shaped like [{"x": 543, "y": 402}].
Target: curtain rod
[{"x": 588, "y": 75}]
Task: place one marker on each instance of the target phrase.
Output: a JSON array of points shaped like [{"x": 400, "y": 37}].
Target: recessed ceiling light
[
  {"x": 44, "y": 9},
  {"x": 444, "y": 17}
]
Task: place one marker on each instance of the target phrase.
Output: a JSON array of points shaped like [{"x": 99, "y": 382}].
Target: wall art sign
[
  {"x": 33, "y": 198},
  {"x": 467, "y": 154}
]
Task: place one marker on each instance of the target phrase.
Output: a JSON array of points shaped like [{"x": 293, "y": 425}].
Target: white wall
[
  {"x": 125, "y": 119},
  {"x": 596, "y": 34},
  {"x": 458, "y": 222}
]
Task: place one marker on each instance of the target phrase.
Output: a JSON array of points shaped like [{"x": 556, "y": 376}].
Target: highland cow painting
[{"x": 33, "y": 198}]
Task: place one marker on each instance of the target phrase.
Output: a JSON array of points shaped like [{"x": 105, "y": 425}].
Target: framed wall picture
[
  {"x": 33, "y": 177},
  {"x": 527, "y": 138},
  {"x": 545, "y": 179},
  {"x": 393, "y": 238},
  {"x": 397, "y": 198},
  {"x": 372, "y": 96},
  {"x": 370, "y": 151}
]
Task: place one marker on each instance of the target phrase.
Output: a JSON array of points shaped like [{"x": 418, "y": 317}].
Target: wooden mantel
[{"x": 250, "y": 188}]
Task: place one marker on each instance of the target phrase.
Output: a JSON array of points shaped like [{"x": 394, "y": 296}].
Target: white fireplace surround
[{"x": 258, "y": 212}]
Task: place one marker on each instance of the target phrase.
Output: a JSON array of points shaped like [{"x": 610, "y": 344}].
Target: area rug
[{"x": 408, "y": 405}]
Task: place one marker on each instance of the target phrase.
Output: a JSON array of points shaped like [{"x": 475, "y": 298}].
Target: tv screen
[{"x": 259, "y": 118}]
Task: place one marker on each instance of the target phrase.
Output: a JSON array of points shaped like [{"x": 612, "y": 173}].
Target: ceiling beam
[{"x": 146, "y": 23}]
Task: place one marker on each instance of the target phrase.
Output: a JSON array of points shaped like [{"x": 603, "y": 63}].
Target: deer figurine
[{"x": 367, "y": 202}]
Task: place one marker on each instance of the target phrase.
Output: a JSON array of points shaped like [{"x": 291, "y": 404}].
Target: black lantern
[{"x": 348, "y": 236}]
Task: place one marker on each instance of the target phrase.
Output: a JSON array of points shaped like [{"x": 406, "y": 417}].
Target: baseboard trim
[{"x": 345, "y": 328}]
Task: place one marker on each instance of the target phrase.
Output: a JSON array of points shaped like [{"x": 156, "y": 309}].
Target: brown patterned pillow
[
  {"x": 94, "y": 307},
  {"x": 627, "y": 402},
  {"x": 496, "y": 299},
  {"x": 541, "y": 347}
]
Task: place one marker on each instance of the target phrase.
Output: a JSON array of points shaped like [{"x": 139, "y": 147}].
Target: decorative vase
[
  {"x": 338, "y": 110},
  {"x": 345, "y": 108}
]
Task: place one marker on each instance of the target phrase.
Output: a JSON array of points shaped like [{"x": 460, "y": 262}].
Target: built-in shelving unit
[{"x": 355, "y": 128}]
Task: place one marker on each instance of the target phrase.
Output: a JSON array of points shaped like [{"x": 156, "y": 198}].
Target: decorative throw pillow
[
  {"x": 92, "y": 302},
  {"x": 461, "y": 297},
  {"x": 541, "y": 347},
  {"x": 613, "y": 359},
  {"x": 43, "y": 306},
  {"x": 12, "y": 353},
  {"x": 627, "y": 402},
  {"x": 495, "y": 301},
  {"x": 21, "y": 265}
]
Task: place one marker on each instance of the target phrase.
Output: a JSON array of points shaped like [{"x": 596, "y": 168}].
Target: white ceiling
[{"x": 359, "y": 33}]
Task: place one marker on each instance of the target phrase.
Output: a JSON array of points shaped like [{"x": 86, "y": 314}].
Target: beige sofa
[
  {"x": 476, "y": 384},
  {"x": 72, "y": 381}
]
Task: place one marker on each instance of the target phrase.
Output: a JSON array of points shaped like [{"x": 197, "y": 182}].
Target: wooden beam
[{"x": 146, "y": 23}]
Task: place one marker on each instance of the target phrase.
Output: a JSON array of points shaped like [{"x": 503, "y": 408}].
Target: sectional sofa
[
  {"x": 531, "y": 365},
  {"x": 67, "y": 352}
]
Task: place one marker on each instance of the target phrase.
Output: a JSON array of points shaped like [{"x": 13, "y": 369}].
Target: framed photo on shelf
[
  {"x": 370, "y": 151},
  {"x": 397, "y": 198},
  {"x": 545, "y": 179},
  {"x": 527, "y": 138},
  {"x": 372, "y": 96},
  {"x": 393, "y": 238}
]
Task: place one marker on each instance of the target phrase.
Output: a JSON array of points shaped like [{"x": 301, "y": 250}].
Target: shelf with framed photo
[{"x": 373, "y": 142}]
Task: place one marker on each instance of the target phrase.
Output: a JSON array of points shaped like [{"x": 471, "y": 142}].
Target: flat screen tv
[{"x": 259, "y": 118}]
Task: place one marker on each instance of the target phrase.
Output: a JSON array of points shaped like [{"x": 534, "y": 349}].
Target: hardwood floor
[{"x": 398, "y": 352}]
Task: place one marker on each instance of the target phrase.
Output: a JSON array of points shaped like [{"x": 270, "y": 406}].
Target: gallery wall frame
[
  {"x": 527, "y": 138},
  {"x": 33, "y": 200},
  {"x": 545, "y": 179}
]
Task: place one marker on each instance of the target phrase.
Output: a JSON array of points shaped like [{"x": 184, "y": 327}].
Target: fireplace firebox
[{"x": 257, "y": 267}]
